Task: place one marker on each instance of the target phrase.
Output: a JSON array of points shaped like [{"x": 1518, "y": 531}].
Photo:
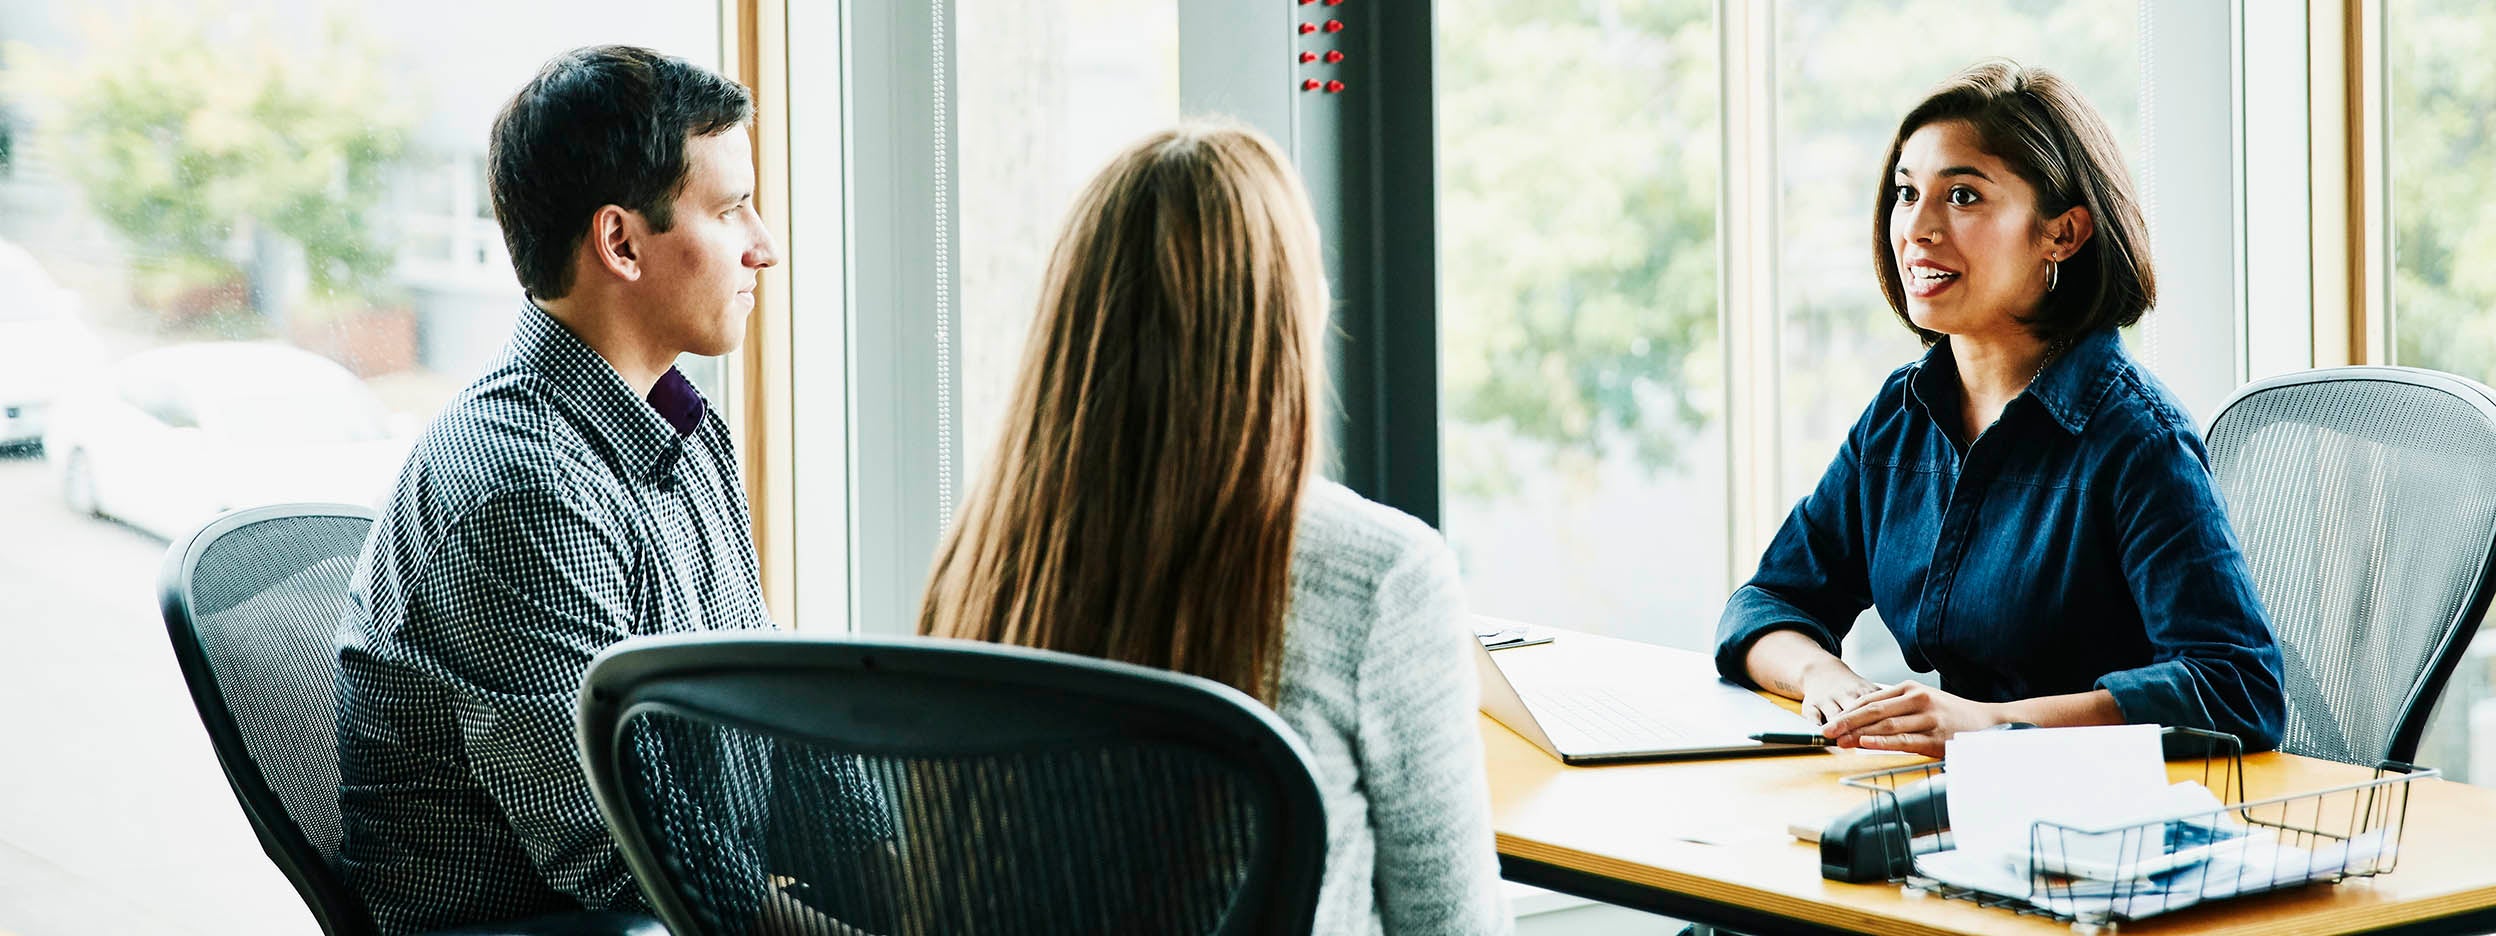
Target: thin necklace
[{"x": 2052, "y": 351}]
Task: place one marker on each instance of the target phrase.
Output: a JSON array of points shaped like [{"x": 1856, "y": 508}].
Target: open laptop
[{"x": 1586, "y": 715}]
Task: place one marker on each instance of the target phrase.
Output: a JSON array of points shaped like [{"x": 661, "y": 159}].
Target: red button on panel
[
  {"x": 1307, "y": 57},
  {"x": 1334, "y": 26},
  {"x": 1334, "y": 56},
  {"x": 1333, "y": 87},
  {"x": 1307, "y": 28},
  {"x": 1309, "y": 85}
]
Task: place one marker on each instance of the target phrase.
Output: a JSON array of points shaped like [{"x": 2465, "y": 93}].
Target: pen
[{"x": 1790, "y": 737}]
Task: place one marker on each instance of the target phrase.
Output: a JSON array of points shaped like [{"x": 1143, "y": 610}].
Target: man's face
[{"x": 699, "y": 277}]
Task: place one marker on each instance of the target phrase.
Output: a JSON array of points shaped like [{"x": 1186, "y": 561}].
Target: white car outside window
[
  {"x": 44, "y": 346},
  {"x": 173, "y": 436}
]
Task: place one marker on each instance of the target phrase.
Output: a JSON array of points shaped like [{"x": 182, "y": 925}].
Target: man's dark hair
[
  {"x": 2039, "y": 124},
  {"x": 598, "y": 126}
]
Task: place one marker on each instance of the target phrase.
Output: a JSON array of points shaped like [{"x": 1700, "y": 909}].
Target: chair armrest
[{"x": 579, "y": 923}]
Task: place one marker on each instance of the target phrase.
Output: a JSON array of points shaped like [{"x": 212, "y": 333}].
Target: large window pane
[
  {"x": 1048, "y": 91},
  {"x": 245, "y": 253},
  {"x": 2437, "y": 56},
  {"x": 1584, "y": 453},
  {"x": 2443, "y": 179}
]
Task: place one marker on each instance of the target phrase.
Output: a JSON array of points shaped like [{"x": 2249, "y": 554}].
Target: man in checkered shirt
[{"x": 580, "y": 493}]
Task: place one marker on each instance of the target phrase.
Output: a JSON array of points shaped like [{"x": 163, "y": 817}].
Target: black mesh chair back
[
  {"x": 2366, "y": 499},
  {"x": 776, "y": 783},
  {"x": 252, "y": 601}
]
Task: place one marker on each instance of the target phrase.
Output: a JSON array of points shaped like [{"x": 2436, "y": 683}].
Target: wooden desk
[{"x": 1705, "y": 841}]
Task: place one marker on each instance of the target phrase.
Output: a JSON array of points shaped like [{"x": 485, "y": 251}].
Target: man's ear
[
  {"x": 614, "y": 241},
  {"x": 2066, "y": 234}
]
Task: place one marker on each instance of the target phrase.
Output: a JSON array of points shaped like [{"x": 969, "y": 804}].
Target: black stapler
[{"x": 1878, "y": 841}]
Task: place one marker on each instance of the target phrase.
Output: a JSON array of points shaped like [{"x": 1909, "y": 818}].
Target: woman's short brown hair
[{"x": 2036, "y": 122}]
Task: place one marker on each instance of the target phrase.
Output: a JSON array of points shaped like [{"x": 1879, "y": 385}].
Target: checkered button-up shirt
[{"x": 547, "y": 513}]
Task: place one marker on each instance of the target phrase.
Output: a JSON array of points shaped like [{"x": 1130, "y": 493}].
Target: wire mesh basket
[{"x": 2095, "y": 877}]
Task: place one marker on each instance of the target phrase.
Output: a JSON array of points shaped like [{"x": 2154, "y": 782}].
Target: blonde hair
[{"x": 1144, "y": 494}]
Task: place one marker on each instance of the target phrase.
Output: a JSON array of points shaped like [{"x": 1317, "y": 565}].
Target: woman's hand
[
  {"x": 1830, "y": 687},
  {"x": 1786, "y": 662},
  {"x": 1911, "y": 717}
]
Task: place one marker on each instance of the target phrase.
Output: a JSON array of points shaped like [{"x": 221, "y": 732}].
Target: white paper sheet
[{"x": 2003, "y": 782}]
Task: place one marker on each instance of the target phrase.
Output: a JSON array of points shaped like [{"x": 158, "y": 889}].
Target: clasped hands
[{"x": 1853, "y": 712}]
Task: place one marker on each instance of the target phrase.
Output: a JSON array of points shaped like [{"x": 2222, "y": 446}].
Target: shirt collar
[
  {"x": 676, "y": 400},
  {"x": 2068, "y": 388},
  {"x": 2071, "y": 384},
  {"x": 647, "y": 434}
]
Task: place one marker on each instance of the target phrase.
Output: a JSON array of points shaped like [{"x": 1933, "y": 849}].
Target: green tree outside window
[{"x": 195, "y": 133}]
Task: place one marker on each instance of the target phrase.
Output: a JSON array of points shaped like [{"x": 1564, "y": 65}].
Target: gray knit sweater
[{"x": 1378, "y": 678}]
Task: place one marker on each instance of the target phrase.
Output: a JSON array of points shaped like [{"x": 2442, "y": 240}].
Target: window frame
[
  {"x": 2317, "y": 212},
  {"x": 754, "y": 49},
  {"x": 869, "y": 473}
]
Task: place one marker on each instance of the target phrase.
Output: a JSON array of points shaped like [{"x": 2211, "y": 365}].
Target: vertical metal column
[{"x": 1365, "y": 141}]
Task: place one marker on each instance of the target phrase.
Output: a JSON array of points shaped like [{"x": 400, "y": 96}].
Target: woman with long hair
[{"x": 1153, "y": 500}]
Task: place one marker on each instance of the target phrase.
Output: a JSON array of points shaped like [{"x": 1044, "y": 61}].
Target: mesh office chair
[
  {"x": 252, "y": 601},
  {"x": 2366, "y": 500},
  {"x": 774, "y": 783}
]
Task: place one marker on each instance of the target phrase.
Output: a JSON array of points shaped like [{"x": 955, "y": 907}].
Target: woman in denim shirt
[{"x": 2029, "y": 510}]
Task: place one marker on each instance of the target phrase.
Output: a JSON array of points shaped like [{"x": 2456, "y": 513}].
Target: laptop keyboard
[{"x": 1599, "y": 716}]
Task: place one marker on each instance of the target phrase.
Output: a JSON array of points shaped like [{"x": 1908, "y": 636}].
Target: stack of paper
[
  {"x": 2003, "y": 782},
  {"x": 2168, "y": 847},
  {"x": 2245, "y": 865}
]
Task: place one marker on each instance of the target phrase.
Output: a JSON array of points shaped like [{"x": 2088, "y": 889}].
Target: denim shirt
[{"x": 2078, "y": 544}]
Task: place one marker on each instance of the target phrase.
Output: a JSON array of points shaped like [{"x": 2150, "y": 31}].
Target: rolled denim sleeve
[
  {"x": 2215, "y": 665},
  {"x": 1813, "y": 579}
]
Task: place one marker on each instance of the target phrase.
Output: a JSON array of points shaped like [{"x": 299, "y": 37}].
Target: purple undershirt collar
[{"x": 677, "y": 402}]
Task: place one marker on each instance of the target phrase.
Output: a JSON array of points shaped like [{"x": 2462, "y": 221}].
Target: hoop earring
[{"x": 2053, "y": 274}]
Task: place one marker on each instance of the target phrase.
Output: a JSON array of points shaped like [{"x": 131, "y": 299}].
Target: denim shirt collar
[
  {"x": 2068, "y": 389},
  {"x": 647, "y": 434}
]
